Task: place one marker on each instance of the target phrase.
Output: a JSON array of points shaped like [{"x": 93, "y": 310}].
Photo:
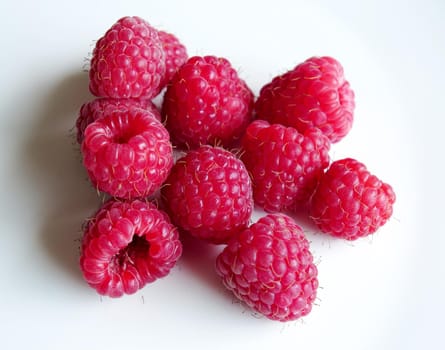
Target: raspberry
[
  {"x": 128, "y": 61},
  {"x": 350, "y": 202},
  {"x": 209, "y": 194},
  {"x": 207, "y": 103},
  {"x": 93, "y": 110},
  {"x": 127, "y": 245},
  {"x": 175, "y": 55},
  {"x": 284, "y": 164},
  {"x": 127, "y": 153},
  {"x": 270, "y": 268},
  {"x": 313, "y": 94}
]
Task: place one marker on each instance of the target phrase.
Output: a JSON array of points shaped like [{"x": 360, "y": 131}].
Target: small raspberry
[
  {"x": 313, "y": 94},
  {"x": 350, "y": 202},
  {"x": 209, "y": 194},
  {"x": 207, "y": 103},
  {"x": 127, "y": 154},
  {"x": 127, "y": 245},
  {"x": 284, "y": 164},
  {"x": 96, "y": 109},
  {"x": 175, "y": 55},
  {"x": 270, "y": 268},
  {"x": 128, "y": 61}
]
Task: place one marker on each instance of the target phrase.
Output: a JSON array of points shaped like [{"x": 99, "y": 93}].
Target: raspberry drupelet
[{"x": 175, "y": 55}]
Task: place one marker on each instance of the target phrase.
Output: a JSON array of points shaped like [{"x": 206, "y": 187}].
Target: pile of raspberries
[{"x": 200, "y": 163}]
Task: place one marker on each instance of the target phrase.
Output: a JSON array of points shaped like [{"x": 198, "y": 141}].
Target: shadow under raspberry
[
  {"x": 318, "y": 240},
  {"x": 199, "y": 258},
  {"x": 53, "y": 164}
]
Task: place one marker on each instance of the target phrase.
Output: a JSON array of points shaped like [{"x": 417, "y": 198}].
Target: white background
[{"x": 384, "y": 292}]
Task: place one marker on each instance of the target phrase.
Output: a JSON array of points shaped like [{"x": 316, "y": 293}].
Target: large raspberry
[
  {"x": 270, "y": 268},
  {"x": 207, "y": 103},
  {"x": 175, "y": 55},
  {"x": 127, "y": 154},
  {"x": 313, "y": 94},
  {"x": 96, "y": 109},
  {"x": 127, "y": 245},
  {"x": 128, "y": 61},
  {"x": 209, "y": 194},
  {"x": 284, "y": 164},
  {"x": 350, "y": 202}
]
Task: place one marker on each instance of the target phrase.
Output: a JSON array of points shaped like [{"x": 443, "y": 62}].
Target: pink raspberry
[
  {"x": 284, "y": 165},
  {"x": 128, "y": 61},
  {"x": 175, "y": 55},
  {"x": 207, "y": 103},
  {"x": 208, "y": 194},
  {"x": 350, "y": 202},
  {"x": 127, "y": 245},
  {"x": 269, "y": 267},
  {"x": 313, "y": 94},
  {"x": 127, "y": 154},
  {"x": 96, "y": 109}
]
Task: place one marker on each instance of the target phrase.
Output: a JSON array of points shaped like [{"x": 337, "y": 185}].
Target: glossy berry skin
[
  {"x": 127, "y": 154},
  {"x": 284, "y": 164},
  {"x": 207, "y": 103},
  {"x": 126, "y": 245},
  {"x": 350, "y": 202},
  {"x": 96, "y": 109},
  {"x": 313, "y": 94},
  {"x": 175, "y": 55},
  {"x": 270, "y": 268},
  {"x": 208, "y": 194},
  {"x": 128, "y": 61}
]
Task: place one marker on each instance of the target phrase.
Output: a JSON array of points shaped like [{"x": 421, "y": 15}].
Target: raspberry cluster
[{"x": 236, "y": 153}]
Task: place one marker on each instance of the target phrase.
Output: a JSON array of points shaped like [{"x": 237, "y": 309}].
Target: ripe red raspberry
[
  {"x": 313, "y": 94},
  {"x": 350, "y": 202},
  {"x": 270, "y": 268},
  {"x": 175, "y": 55},
  {"x": 127, "y": 245},
  {"x": 128, "y": 61},
  {"x": 96, "y": 109},
  {"x": 127, "y": 154},
  {"x": 284, "y": 165},
  {"x": 209, "y": 194},
  {"x": 207, "y": 103}
]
